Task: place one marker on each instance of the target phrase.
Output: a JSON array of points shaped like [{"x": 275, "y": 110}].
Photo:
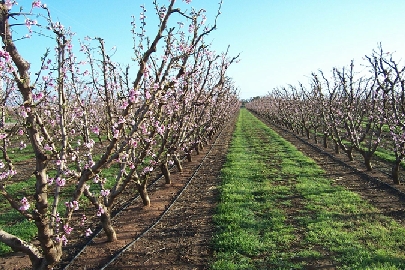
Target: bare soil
[{"x": 181, "y": 239}]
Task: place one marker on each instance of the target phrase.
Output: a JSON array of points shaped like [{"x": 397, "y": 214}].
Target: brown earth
[{"x": 181, "y": 238}]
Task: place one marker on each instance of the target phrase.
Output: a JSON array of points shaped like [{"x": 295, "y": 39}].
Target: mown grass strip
[{"x": 278, "y": 211}]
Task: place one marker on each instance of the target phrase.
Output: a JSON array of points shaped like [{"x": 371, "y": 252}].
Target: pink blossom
[
  {"x": 64, "y": 240},
  {"x": 48, "y": 147},
  {"x": 57, "y": 219},
  {"x": 89, "y": 232},
  {"x": 36, "y": 4},
  {"x": 67, "y": 228},
  {"x": 22, "y": 145},
  {"x": 50, "y": 181},
  {"x": 29, "y": 23},
  {"x": 147, "y": 95},
  {"x": 60, "y": 182},
  {"x": 9, "y": 4},
  {"x": 133, "y": 143},
  {"x": 21, "y": 132},
  {"x": 147, "y": 169},
  {"x": 100, "y": 211},
  {"x": 72, "y": 205},
  {"x": 116, "y": 134},
  {"x": 105, "y": 192},
  {"x": 95, "y": 130},
  {"x": 25, "y": 205},
  {"x": 96, "y": 179},
  {"x": 124, "y": 105},
  {"x": 5, "y": 55},
  {"x": 83, "y": 220}
]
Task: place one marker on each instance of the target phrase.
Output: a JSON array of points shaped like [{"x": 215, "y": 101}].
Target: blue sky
[{"x": 281, "y": 41}]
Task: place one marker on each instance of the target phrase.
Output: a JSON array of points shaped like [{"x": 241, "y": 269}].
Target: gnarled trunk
[
  {"x": 189, "y": 158},
  {"x": 337, "y": 149},
  {"x": 395, "y": 172},
  {"x": 144, "y": 194},
  {"x": 177, "y": 163},
  {"x": 307, "y": 133},
  {"x": 197, "y": 148},
  {"x": 315, "y": 137},
  {"x": 105, "y": 219},
  {"x": 325, "y": 140},
  {"x": 349, "y": 153},
  {"x": 166, "y": 172},
  {"x": 367, "y": 162}
]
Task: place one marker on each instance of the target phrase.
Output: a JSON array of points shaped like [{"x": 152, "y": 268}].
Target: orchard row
[
  {"x": 358, "y": 109},
  {"x": 83, "y": 114}
]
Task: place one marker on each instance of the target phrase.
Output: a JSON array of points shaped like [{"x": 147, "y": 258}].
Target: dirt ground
[{"x": 181, "y": 239}]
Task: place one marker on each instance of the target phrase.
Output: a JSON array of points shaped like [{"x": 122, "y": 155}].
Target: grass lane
[{"x": 278, "y": 211}]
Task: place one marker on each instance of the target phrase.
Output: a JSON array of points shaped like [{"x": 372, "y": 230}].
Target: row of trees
[
  {"x": 83, "y": 114},
  {"x": 358, "y": 111}
]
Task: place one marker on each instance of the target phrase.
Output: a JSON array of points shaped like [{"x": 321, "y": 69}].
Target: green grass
[{"x": 278, "y": 211}]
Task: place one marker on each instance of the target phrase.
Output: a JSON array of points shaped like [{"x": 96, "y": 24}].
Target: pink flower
[
  {"x": 67, "y": 229},
  {"x": 72, "y": 205},
  {"x": 60, "y": 181},
  {"x": 84, "y": 218},
  {"x": 96, "y": 178},
  {"x": 21, "y": 132},
  {"x": 133, "y": 143},
  {"x": 22, "y": 145},
  {"x": 25, "y": 205},
  {"x": 105, "y": 192},
  {"x": 57, "y": 219},
  {"x": 147, "y": 95},
  {"x": 5, "y": 55},
  {"x": 64, "y": 240},
  {"x": 9, "y": 4},
  {"x": 116, "y": 134},
  {"x": 36, "y": 4},
  {"x": 48, "y": 147},
  {"x": 88, "y": 232},
  {"x": 95, "y": 130},
  {"x": 29, "y": 23},
  {"x": 100, "y": 211}
]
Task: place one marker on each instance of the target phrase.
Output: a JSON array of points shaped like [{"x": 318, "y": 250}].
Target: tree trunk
[
  {"x": 197, "y": 148},
  {"x": 325, "y": 140},
  {"x": 307, "y": 133},
  {"x": 337, "y": 149},
  {"x": 395, "y": 172},
  {"x": 349, "y": 153},
  {"x": 177, "y": 163},
  {"x": 144, "y": 194},
  {"x": 107, "y": 226},
  {"x": 189, "y": 158},
  {"x": 166, "y": 172},
  {"x": 315, "y": 137},
  {"x": 367, "y": 162}
]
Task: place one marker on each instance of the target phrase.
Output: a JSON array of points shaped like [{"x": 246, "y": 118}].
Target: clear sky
[{"x": 281, "y": 41}]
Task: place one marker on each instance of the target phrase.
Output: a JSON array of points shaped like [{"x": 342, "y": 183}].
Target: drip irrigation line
[
  {"x": 132, "y": 200},
  {"x": 129, "y": 245}
]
